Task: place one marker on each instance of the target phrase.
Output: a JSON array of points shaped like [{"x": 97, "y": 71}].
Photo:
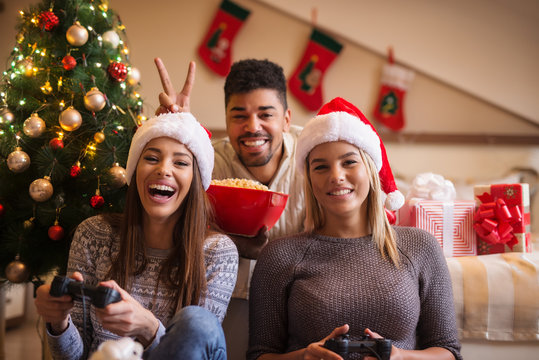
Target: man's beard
[{"x": 250, "y": 160}]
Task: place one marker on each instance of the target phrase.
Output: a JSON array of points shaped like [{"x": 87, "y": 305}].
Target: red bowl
[{"x": 244, "y": 211}]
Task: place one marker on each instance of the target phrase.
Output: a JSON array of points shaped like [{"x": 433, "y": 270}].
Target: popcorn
[{"x": 240, "y": 183}]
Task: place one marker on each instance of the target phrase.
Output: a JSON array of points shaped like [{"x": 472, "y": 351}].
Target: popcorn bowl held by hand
[{"x": 243, "y": 211}]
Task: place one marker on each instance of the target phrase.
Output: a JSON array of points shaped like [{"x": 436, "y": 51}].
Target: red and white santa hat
[
  {"x": 340, "y": 120},
  {"x": 179, "y": 126}
]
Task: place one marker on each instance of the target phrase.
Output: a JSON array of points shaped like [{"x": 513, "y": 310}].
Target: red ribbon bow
[{"x": 495, "y": 222}]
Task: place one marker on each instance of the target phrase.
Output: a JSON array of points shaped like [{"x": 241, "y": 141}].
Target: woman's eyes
[{"x": 345, "y": 163}]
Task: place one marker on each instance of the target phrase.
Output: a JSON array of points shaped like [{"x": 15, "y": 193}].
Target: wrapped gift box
[
  {"x": 502, "y": 219},
  {"x": 451, "y": 222}
]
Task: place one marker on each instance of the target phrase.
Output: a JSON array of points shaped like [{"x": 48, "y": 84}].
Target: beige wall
[{"x": 172, "y": 30}]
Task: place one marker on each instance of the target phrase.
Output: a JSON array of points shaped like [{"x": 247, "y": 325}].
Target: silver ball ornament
[
  {"x": 111, "y": 37},
  {"x": 94, "y": 100},
  {"x": 70, "y": 119},
  {"x": 77, "y": 35},
  {"x": 34, "y": 126},
  {"x": 41, "y": 189},
  {"x": 118, "y": 176},
  {"x": 133, "y": 76},
  {"x": 17, "y": 272},
  {"x": 6, "y": 116},
  {"x": 18, "y": 161}
]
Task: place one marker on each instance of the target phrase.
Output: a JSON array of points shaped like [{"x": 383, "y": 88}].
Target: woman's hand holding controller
[
  {"x": 128, "y": 317},
  {"x": 55, "y": 310}
]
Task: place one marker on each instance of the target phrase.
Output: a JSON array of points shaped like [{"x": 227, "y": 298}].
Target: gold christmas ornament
[
  {"x": 26, "y": 66},
  {"x": 111, "y": 38},
  {"x": 18, "y": 161},
  {"x": 70, "y": 119},
  {"x": 41, "y": 189},
  {"x": 77, "y": 35},
  {"x": 99, "y": 137},
  {"x": 17, "y": 271},
  {"x": 94, "y": 100},
  {"x": 133, "y": 76},
  {"x": 119, "y": 176},
  {"x": 34, "y": 126},
  {"x": 6, "y": 116},
  {"x": 46, "y": 88}
]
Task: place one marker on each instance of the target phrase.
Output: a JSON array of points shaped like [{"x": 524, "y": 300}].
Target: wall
[{"x": 173, "y": 29}]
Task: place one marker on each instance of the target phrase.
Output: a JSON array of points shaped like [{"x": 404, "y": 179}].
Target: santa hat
[
  {"x": 179, "y": 126},
  {"x": 340, "y": 120}
]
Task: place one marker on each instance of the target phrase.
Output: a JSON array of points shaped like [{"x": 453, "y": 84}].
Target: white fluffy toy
[{"x": 121, "y": 349}]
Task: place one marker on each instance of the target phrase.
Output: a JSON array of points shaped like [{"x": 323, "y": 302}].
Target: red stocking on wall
[
  {"x": 216, "y": 47},
  {"x": 389, "y": 108},
  {"x": 306, "y": 81}
]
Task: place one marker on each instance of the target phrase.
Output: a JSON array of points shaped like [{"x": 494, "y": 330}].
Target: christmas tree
[{"x": 68, "y": 110}]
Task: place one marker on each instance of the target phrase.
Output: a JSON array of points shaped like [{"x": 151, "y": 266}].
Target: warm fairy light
[
  {"x": 113, "y": 107},
  {"x": 92, "y": 7},
  {"x": 62, "y": 105},
  {"x": 118, "y": 58},
  {"x": 1, "y": 132},
  {"x": 139, "y": 103},
  {"x": 60, "y": 135},
  {"x": 137, "y": 95},
  {"x": 126, "y": 51},
  {"x": 20, "y": 57},
  {"x": 22, "y": 102},
  {"x": 60, "y": 83},
  {"x": 34, "y": 20},
  {"x": 17, "y": 137},
  {"x": 120, "y": 127},
  {"x": 121, "y": 42},
  {"x": 2, "y": 94},
  {"x": 16, "y": 49},
  {"x": 122, "y": 85},
  {"x": 97, "y": 65},
  {"x": 90, "y": 28},
  {"x": 104, "y": 14},
  {"x": 21, "y": 12}
]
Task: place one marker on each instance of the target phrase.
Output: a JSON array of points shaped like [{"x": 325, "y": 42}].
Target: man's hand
[
  {"x": 250, "y": 247},
  {"x": 169, "y": 100}
]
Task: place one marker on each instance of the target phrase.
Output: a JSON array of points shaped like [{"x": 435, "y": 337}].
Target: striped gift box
[
  {"x": 495, "y": 296},
  {"x": 451, "y": 222}
]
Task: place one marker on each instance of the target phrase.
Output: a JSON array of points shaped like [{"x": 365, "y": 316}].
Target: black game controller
[
  {"x": 100, "y": 296},
  {"x": 342, "y": 345}
]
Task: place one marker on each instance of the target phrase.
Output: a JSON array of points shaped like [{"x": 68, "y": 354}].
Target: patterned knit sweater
[
  {"x": 93, "y": 247},
  {"x": 306, "y": 285}
]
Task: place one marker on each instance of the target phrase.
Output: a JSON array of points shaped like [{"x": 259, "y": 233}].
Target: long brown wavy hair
[
  {"x": 382, "y": 232},
  {"x": 184, "y": 268}
]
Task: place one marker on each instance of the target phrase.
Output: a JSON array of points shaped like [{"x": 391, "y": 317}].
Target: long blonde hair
[{"x": 383, "y": 234}]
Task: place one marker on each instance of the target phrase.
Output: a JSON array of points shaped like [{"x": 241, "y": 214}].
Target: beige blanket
[{"x": 497, "y": 296}]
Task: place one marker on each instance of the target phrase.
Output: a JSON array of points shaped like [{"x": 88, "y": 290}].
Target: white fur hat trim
[{"x": 179, "y": 126}]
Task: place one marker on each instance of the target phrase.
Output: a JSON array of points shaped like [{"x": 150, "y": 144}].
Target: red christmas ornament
[
  {"x": 117, "y": 71},
  {"x": 75, "y": 171},
  {"x": 97, "y": 201},
  {"x": 48, "y": 21},
  {"x": 56, "y": 232},
  {"x": 56, "y": 144},
  {"x": 69, "y": 62},
  {"x": 1, "y": 209}
]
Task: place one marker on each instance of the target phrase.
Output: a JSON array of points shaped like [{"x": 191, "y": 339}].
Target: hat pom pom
[{"x": 394, "y": 200}]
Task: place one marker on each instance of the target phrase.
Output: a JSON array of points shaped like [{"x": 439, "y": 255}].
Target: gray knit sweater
[
  {"x": 306, "y": 285},
  {"x": 93, "y": 247}
]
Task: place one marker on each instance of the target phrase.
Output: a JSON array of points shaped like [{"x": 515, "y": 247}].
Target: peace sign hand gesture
[{"x": 169, "y": 100}]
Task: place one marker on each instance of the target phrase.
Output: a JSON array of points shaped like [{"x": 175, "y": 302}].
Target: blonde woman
[{"x": 351, "y": 271}]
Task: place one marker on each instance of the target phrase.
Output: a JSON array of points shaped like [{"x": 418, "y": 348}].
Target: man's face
[{"x": 255, "y": 123}]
